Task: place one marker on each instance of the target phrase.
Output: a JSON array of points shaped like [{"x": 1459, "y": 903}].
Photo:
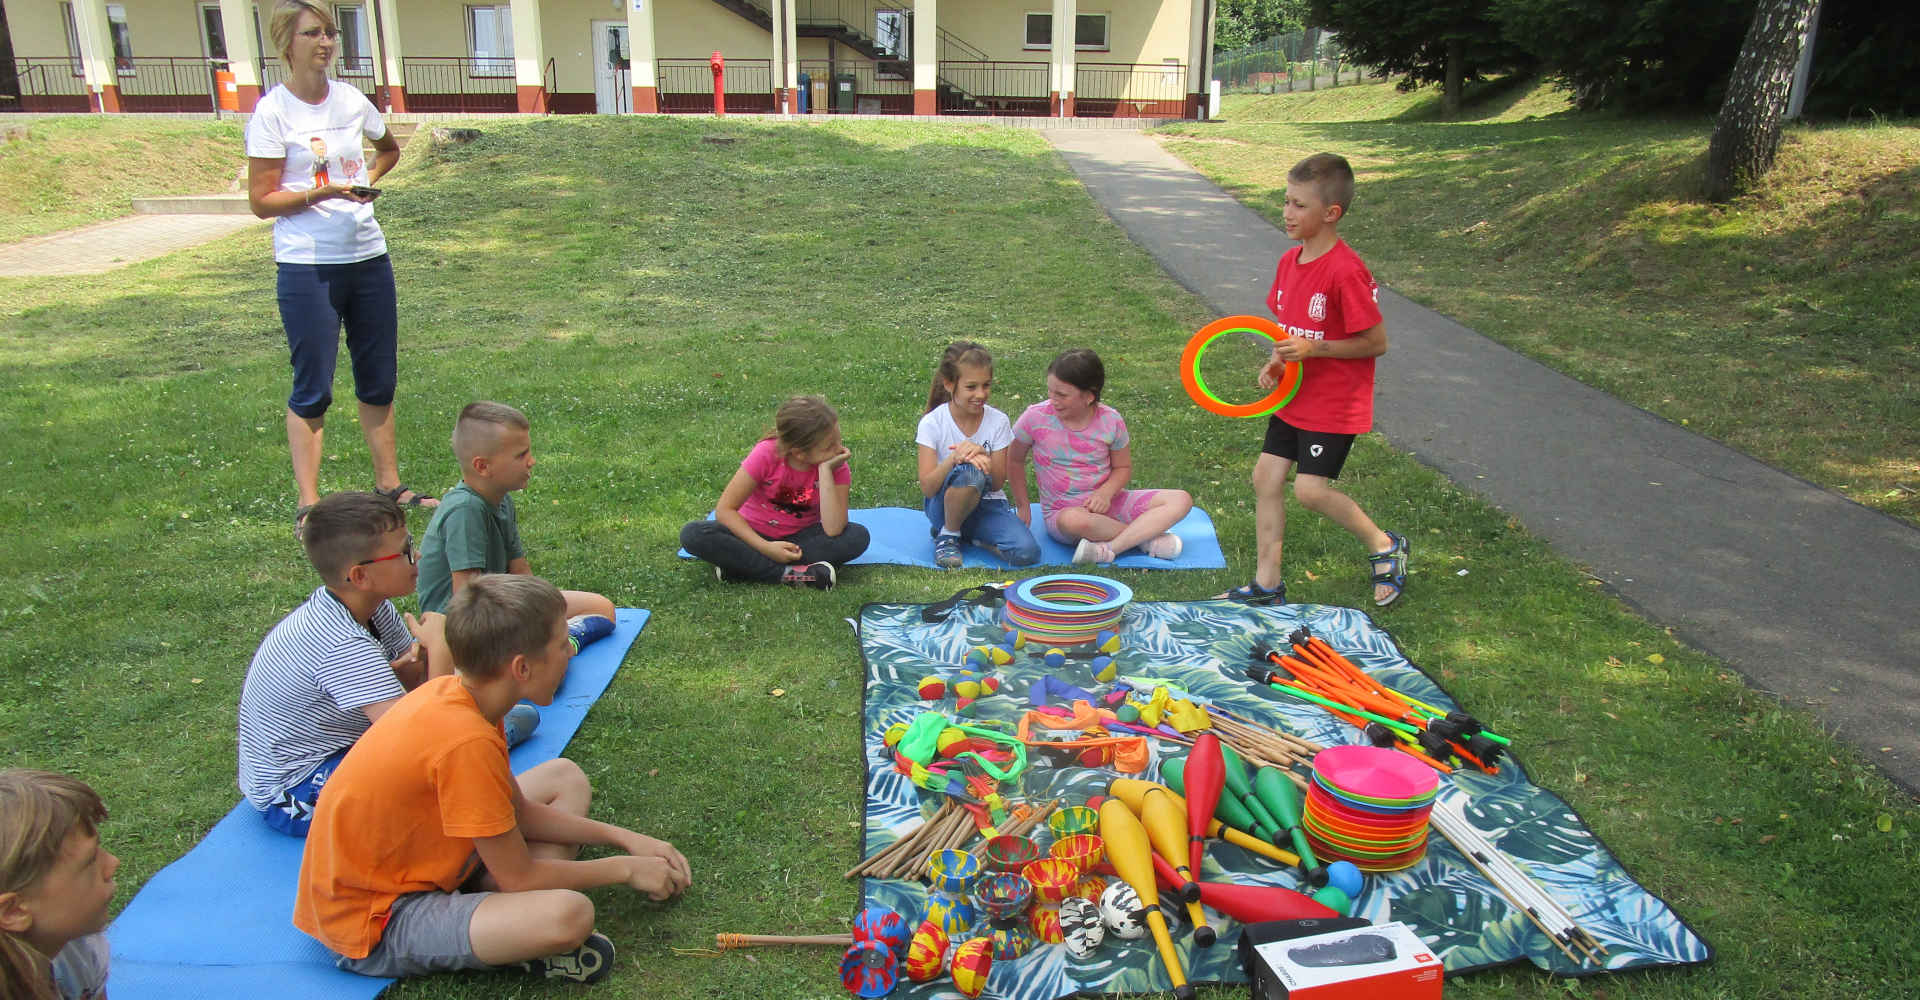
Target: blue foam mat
[
  {"x": 901, "y": 538},
  {"x": 218, "y": 923}
]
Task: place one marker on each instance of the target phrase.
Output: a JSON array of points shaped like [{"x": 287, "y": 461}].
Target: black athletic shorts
[{"x": 1314, "y": 453}]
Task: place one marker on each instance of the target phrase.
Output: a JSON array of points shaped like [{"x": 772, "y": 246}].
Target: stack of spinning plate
[{"x": 1369, "y": 805}]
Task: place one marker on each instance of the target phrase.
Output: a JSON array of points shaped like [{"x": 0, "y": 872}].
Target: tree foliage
[
  {"x": 1243, "y": 22},
  {"x": 1866, "y": 59},
  {"x": 1634, "y": 54},
  {"x": 1448, "y": 42}
]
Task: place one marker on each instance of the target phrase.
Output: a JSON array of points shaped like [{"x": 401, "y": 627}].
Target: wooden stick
[{"x": 727, "y": 941}]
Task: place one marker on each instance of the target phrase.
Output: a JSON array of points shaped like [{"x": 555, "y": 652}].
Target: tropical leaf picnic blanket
[{"x": 1204, "y": 647}]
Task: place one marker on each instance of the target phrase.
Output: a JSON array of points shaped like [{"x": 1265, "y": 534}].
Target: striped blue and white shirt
[{"x": 307, "y": 688}]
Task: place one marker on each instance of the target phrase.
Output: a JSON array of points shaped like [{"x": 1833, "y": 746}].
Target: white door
[{"x": 612, "y": 87}]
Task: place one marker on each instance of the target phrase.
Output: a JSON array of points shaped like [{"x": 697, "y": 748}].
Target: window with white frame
[
  {"x": 356, "y": 54},
  {"x": 890, "y": 32},
  {"x": 116, "y": 29},
  {"x": 1089, "y": 32},
  {"x": 490, "y": 40}
]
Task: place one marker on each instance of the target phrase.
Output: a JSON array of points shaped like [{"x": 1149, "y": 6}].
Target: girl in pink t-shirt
[
  {"x": 1083, "y": 460},
  {"x": 783, "y": 516}
]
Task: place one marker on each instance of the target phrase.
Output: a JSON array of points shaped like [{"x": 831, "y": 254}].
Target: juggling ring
[
  {"x": 1290, "y": 374},
  {"x": 1066, "y": 609}
]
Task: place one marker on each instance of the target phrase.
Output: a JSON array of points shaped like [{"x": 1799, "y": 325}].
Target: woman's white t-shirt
[
  {"x": 938, "y": 431},
  {"x": 324, "y": 140}
]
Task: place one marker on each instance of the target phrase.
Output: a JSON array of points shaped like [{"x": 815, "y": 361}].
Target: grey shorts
[{"x": 426, "y": 932}]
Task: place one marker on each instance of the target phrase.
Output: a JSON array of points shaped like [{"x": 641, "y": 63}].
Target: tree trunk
[
  {"x": 1456, "y": 79},
  {"x": 1746, "y": 135}
]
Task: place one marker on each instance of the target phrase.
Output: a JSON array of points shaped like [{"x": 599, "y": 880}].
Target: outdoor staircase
[{"x": 812, "y": 25}]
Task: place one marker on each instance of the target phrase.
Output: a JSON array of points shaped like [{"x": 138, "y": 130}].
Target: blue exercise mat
[
  {"x": 218, "y": 923},
  {"x": 901, "y": 538}
]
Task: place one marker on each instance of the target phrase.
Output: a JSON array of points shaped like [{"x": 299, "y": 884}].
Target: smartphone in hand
[{"x": 362, "y": 191}]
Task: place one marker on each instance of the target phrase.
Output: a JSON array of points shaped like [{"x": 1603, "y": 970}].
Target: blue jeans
[
  {"x": 315, "y": 301},
  {"x": 992, "y": 525}
]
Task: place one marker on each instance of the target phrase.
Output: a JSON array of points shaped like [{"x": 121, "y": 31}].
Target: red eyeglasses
[{"x": 406, "y": 552}]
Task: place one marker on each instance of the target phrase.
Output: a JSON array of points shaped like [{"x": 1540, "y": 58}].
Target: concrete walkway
[
  {"x": 104, "y": 246},
  {"x": 1812, "y": 597}
]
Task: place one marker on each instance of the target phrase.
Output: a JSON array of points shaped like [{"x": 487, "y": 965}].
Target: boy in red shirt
[
  {"x": 1327, "y": 301},
  {"x": 428, "y": 855}
]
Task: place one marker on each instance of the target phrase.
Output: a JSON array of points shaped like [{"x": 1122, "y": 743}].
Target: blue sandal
[
  {"x": 1390, "y": 569},
  {"x": 1254, "y": 595}
]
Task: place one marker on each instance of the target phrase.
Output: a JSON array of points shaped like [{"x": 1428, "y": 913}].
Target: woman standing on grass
[{"x": 307, "y": 172}]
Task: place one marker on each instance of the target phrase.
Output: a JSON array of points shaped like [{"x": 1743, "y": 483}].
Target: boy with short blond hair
[
  {"x": 428, "y": 854},
  {"x": 475, "y": 530},
  {"x": 1327, "y": 301}
]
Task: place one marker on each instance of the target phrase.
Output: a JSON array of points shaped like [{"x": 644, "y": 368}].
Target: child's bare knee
[
  {"x": 1312, "y": 491},
  {"x": 567, "y": 917},
  {"x": 572, "y": 783}
]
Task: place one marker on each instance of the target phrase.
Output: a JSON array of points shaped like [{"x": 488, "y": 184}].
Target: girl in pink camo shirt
[{"x": 1083, "y": 460}]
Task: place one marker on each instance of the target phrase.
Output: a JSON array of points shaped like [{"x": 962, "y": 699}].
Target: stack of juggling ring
[
  {"x": 871, "y": 966},
  {"x": 1066, "y": 609},
  {"x": 1369, "y": 805}
]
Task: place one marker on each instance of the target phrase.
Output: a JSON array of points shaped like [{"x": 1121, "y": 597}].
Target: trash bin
[
  {"x": 806, "y": 92},
  {"x": 846, "y": 88}
]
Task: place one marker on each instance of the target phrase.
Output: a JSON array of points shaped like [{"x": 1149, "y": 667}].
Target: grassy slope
[
  {"x": 1780, "y": 324},
  {"x": 69, "y": 172},
  {"x": 647, "y": 290}
]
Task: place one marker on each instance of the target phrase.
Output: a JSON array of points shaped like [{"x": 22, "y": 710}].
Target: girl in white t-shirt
[
  {"x": 963, "y": 463},
  {"x": 306, "y": 171},
  {"x": 56, "y": 883}
]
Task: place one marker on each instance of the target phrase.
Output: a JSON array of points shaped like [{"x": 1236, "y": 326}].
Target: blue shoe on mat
[
  {"x": 520, "y": 723},
  {"x": 946, "y": 552},
  {"x": 587, "y": 629}
]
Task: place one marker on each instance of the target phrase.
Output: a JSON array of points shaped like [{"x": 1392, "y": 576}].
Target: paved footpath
[
  {"x": 1810, "y": 596},
  {"x": 104, "y": 246}
]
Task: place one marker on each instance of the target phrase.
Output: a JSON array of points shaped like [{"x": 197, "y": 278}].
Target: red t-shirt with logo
[{"x": 1331, "y": 297}]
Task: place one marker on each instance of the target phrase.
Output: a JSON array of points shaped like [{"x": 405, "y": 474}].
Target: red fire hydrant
[{"x": 719, "y": 66}]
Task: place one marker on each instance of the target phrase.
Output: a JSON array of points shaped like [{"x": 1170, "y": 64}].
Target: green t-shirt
[{"x": 466, "y": 532}]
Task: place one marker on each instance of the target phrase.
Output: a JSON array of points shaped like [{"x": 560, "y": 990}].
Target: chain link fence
[{"x": 1302, "y": 60}]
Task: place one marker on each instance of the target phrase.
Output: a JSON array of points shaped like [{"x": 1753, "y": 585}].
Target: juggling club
[
  {"x": 1282, "y": 798},
  {"x": 1128, "y": 850},
  {"x": 1133, "y": 792}
]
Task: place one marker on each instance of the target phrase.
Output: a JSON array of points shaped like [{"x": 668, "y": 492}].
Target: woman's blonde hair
[
  {"x": 285, "y": 14},
  {"x": 38, "y": 811}
]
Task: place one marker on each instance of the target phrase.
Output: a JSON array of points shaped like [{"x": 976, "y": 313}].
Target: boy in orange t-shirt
[{"x": 428, "y": 855}]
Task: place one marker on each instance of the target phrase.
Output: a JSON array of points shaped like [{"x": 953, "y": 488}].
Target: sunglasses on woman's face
[{"x": 318, "y": 33}]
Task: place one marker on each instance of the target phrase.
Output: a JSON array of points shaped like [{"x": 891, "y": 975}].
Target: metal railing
[
  {"x": 686, "y": 86},
  {"x": 49, "y": 83},
  {"x": 1129, "y": 90},
  {"x": 879, "y": 93},
  {"x": 458, "y": 84},
  {"x": 1302, "y": 60},
  {"x": 993, "y": 87}
]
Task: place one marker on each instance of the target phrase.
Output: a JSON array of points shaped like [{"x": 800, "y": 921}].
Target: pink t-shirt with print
[
  {"x": 784, "y": 499},
  {"x": 1069, "y": 464}
]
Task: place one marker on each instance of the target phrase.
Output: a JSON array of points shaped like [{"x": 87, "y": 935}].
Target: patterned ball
[
  {"x": 927, "y": 953},
  {"x": 1080, "y": 926},
  {"x": 932, "y": 687},
  {"x": 895, "y": 733},
  {"x": 1107, "y": 642},
  {"x": 989, "y": 684},
  {"x": 1054, "y": 658},
  {"x": 1103, "y": 668},
  {"x": 883, "y": 926},
  {"x": 967, "y": 687},
  {"x": 948, "y": 739},
  {"x": 1122, "y": 911},
  {"x": 972, "y": 961}
]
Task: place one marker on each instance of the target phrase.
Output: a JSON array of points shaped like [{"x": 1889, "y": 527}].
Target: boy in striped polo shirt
[{"x": 335, "y": 663}]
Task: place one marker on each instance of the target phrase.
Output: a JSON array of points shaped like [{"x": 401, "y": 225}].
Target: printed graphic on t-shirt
[
  {"x": 319, "y": 147},
  {"x": 797, "y": 502}
]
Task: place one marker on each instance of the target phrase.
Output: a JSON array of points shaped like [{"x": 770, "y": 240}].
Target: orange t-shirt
[{"x": 401, "y": 813}]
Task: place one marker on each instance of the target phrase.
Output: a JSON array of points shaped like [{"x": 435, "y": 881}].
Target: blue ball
[
  {"x": 1344, "y": 876},
  {"x": 1054, "y": 658}
]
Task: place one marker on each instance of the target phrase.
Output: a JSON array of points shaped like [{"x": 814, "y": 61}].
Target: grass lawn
[
  {"x": 1781, "y": 324},
  {"x": 69, "y": 172},
  {"x": 647, "y": 290}
]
